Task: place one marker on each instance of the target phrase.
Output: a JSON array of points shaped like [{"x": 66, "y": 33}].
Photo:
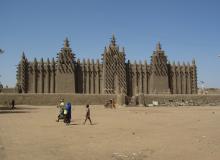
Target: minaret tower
[
  {"x": 159, "y": 72},
  {"x": 114, "y": 73},
  {"x": 22, "y": 76},
  {"x": 65, "y": 71}
]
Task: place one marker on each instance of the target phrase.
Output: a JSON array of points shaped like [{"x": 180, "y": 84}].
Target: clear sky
[{"x": 187, "y": 29}]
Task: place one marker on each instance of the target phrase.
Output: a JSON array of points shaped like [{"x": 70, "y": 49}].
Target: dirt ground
[{"x": 126, "y": 133}]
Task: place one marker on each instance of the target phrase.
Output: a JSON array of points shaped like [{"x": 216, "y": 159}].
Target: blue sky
[{"x": 187, "y": 29}]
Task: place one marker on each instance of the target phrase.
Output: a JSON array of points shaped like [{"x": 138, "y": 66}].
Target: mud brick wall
[
  {"x": 8, "y": 90},
  {"x": 52, "y": 99},
  {"x": 199, "y": 99},
  {"x": 99, "y": 99}
]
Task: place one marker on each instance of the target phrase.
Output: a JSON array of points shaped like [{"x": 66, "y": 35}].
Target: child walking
[{"x": 88, "y": 115}]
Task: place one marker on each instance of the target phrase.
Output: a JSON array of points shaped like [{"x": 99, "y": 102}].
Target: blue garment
[{"x": 68, "y": 108}]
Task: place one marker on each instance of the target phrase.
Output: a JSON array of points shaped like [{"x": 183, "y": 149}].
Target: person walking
[
  {"x": 13, "y": 104},
  {"x": 87, "y": 115}
]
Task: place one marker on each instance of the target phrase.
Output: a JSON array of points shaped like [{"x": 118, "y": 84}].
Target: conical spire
[
  {"x": 188, "y": 64},
  {"x": 42, "y": 61},
  {"x": 97, "y": 61},
  {"x": 135, "y": 62},
  {"x": 23, "y": 55},
  {"x": 66, "y": 43},
  {"x": 145, "y": 62},
  {"x": 53, "y": 61},
  {"x": 193, "y": 61},
  {"x": 113, "y": 41},
  {"x": 48, "y": 61},
  {"x": 158, "y": 47},
  {"x": 105, "y": 50},
  {"x": 184, "y": 64},
  {"x": 123, "y": 49}
]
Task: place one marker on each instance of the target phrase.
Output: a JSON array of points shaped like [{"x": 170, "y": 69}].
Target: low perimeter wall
[
  {"x": 82, "y": 99},
  {"x": 53, "y": 99},
  {"x": 198, "y": 99}
]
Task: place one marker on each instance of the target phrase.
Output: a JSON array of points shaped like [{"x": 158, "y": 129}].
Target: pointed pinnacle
[
  {"x": 48, "y": 61},
  {"x": 193, "y": 61},
  {"x": 66, "y": 43},
  {"x": 123, "y": 49},
  {"x": 35, "y": 60},
  {"x": 113, "y": 41},
  {"x": 23, "y": 55},
  {"x": 158, "y": 47}
]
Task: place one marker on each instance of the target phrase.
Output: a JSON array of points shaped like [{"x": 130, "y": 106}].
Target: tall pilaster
[
  {"x": 88, "y": 77},
  {"x": 42, "y": 76},
  {"x": 92, "y": 77},
  {"x": 53, "y": 71},
  {"x": 179, "y": 86},
  {"x": 189, "y": 85},
  {"x": 174, "y": 78},
  {"x": 134, "y": 79},
  {"x": 35, "y": 74},
  {"x": 194, "y": 77},
  {"x": 84, "y": 76},
  {"x": 184, "y": 84},
  {"x": 145, "y": 78},
  {"x": 48, "y": 74},
  {"x": 97, "y": 79},
  {"x": 140, "y": 83}
]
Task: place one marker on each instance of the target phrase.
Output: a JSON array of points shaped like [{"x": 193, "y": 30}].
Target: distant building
[{"x": 112, "y": 75}]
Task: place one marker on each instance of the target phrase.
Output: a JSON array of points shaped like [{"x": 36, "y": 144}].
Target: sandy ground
[{"x": 134, "y": 133}]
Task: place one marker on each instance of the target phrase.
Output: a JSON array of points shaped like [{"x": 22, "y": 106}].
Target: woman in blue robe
[{"x": 68, "y": 115}]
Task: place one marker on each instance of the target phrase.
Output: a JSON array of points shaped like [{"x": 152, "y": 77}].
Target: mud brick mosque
[{"x": 112, "y": 75}]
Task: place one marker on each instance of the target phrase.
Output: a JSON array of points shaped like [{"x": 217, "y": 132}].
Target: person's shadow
[
  {"x": 75, "y": 124},
  {"x": 7, "y": 109}
]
